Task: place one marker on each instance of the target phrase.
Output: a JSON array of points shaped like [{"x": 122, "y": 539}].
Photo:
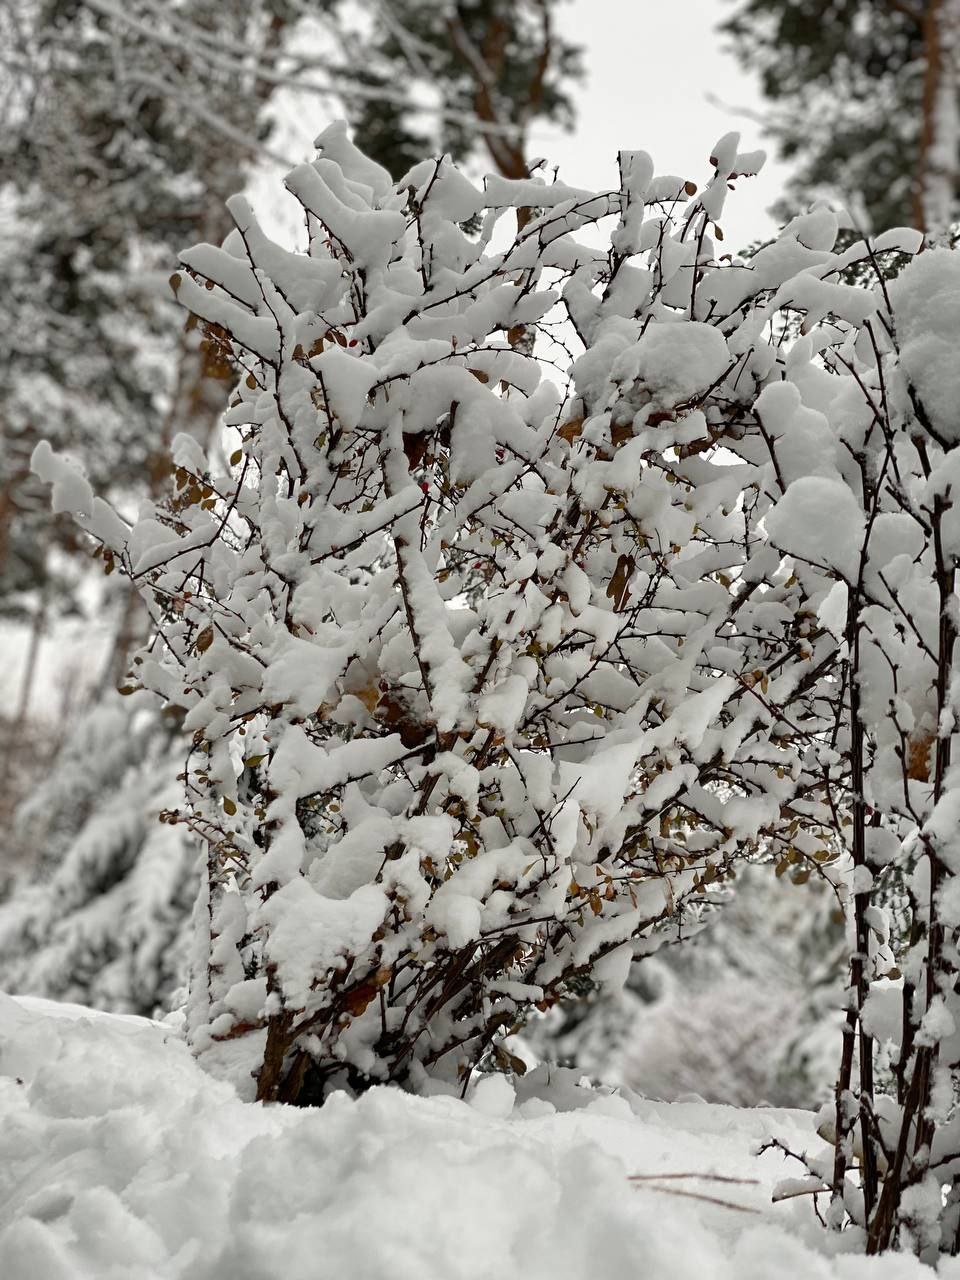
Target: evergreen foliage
[
  {"x": 101, "y": 917},
  {"x": 103, "y": 176},
  {"x": 495, "y": 66},
  {"x": 864, "y": 98}
]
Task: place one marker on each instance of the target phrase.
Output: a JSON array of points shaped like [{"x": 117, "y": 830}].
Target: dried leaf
[
  {"x": 356, "y": 1000},
  {"x": 571, "y": 429},
  {"x": 918, "y": 756},
  {"x": 618, "y": 588}
]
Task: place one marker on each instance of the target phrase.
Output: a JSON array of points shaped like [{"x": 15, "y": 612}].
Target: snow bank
[{"x": 121, "y": 1160}]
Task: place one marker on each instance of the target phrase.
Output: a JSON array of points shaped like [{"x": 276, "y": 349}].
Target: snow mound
[{"x": 121, "y": 1160}]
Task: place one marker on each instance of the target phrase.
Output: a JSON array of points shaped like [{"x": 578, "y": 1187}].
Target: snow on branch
[{"x": 528, "y": 603}]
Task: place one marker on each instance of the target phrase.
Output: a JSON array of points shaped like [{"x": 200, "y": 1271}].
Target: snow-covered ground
[{"x": 121, "y": 1160}]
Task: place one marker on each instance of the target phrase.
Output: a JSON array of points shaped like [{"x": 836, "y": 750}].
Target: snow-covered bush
[
  {"x": 492, "y": 674},
  {"x": 872, "y": 534}
]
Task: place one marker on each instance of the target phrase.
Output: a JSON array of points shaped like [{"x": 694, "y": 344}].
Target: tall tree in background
[
  {"x": 865, "y": 97},
  {"x": 104, "y": 919},
  {"x": 490, "y": 67},
  {"x": 103, "y": 175}
]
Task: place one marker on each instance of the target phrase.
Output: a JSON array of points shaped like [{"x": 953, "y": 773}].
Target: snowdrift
[{"x": 121, "y": 1160}]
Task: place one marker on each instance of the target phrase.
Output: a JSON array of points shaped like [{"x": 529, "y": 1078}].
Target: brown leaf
[
  {"x": 620, "y": 433},
  {"x": 618, "y": 586},
  {"x": 571, "y": 430},
  {"x": 414, "y": 447},
  {"x": 397, "y": 715},
  {"x": 508, "y": 1061},
  {"x": 369, "y": 697},
  {"x": 357, "y": 999},
  {"x": 918, "y": 756}
]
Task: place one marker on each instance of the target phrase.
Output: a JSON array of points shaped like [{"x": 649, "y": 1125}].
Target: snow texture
[{"x": 121, "y": 1160}]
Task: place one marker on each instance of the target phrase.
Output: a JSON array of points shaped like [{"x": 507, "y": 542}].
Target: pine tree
[
  {"x": 102, "y": 916},
  {"x": 865, "y": 98},
  {"x": 104, "y": 176},
  {"x": 495, "y": 67}
]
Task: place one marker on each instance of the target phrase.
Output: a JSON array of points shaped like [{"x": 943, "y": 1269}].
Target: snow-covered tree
[
  {"x": 447, "y": 75},
  {"x": 102, "y": 914},
  {"x": 102, "y": 177}
]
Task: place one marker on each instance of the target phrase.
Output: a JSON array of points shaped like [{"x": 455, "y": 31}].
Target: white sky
[{"x": 650, "y": 65}]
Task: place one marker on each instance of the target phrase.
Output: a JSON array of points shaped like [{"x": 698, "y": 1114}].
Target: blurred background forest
[{"x": 127, "y": 124}]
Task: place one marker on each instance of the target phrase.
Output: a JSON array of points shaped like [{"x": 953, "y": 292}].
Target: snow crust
[{"x": 120, "y": 1159}]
